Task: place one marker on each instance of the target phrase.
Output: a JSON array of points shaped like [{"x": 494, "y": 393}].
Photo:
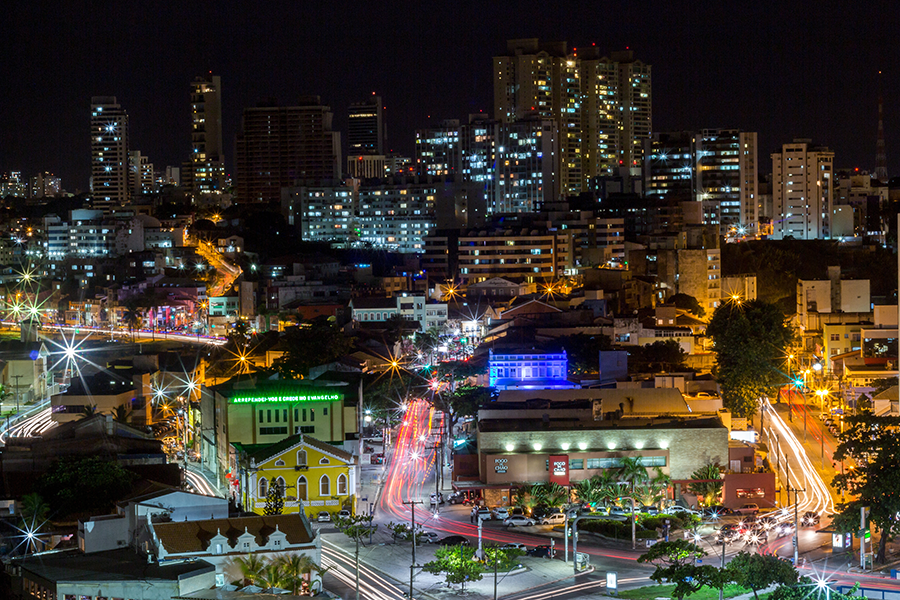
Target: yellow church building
[{"x": 310, "y": 475}]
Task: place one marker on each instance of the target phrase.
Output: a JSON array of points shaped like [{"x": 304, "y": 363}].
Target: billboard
[{"x": 559, "y": 469}]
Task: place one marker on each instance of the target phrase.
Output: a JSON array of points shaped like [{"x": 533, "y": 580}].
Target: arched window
[
  {"x": 342, "y": 485},
  {"x": 323, "y": 461},
  {"x": 301, "y": 488},
  {"x": 279, "y": 486},
  {"x": 279, "y": 463},
  {"x": 263, "y": 488},
  {"x": 324, "y": 486},
  {"x": 301, "y": 458}
]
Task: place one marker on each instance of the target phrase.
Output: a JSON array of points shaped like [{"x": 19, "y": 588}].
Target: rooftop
[
  {"x": 194, "y": 536},
  {"x": 113, "y": 565}
]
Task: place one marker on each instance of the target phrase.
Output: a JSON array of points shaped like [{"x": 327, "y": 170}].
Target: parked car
[
  {"x": 747, "y": 509},
  {"x": 457, "y": 498},
  {"x": 650, "y": 510},
  {"x": 344, "y": 514},
  {"x": 542, "y": 552},
  {"x": 431, "y": 536},
  {"x": 517, "y": 510},
  {"x": 454, "y": 540},
  {"x": 676, "y": 509},
  {"x": 483, "y": 514},
  {"x": 514, "y": 546},
  {"x": 324, "y": 517},
  {"x": 518, "y": 521},
  {"x": 500, "y": 512},
  {"x": 437, "y": 498},
  {"x": 783, "y": 529},
  {"x": 809, "y": 519},
  {"x": 554, "y": 519}
]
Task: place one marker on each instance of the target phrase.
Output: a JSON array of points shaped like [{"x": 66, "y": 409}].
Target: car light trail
[{"x": 371, "y": 584}]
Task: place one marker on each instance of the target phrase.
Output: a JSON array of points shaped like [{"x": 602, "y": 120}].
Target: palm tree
[
  {"x": 526, "y": 500},
  {"x": 132, "y": 315},
  {"x": 557, "y": 495},
  {"x": 88, "y": 411},
  {"x": 270, "y": 577},
  {"x": 297, "y": 570},
  {"x": 633, "y": 471},
  {"x": 122, "y": 413},
  {"x": 34, "y": 510},
  {"x": 250, "y": 568},
  {"x": 587, "y": 491}
]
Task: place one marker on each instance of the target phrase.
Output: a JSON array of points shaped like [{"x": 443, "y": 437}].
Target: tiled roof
[
  {"x": 194, "y": 536},
  {"x": 267, "y": 452}
]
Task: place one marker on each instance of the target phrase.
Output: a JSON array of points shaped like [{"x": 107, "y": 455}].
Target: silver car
[{"x": 518, "y": 521}]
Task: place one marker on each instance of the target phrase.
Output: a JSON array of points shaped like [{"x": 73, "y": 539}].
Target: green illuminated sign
[{"x": 312, "y": 397}]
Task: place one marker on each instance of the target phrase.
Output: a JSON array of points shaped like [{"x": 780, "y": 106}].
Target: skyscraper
[
  {"x": 279, "y": 146},
  {"x": 802, "y": 194},
  {"x": 109, "y": 153},
  {"x": 602, "y": 105},
  {"x": 717, "y": 167},
  {"x": 365, "y": 127},
  {"x": 205, "y": 171}
]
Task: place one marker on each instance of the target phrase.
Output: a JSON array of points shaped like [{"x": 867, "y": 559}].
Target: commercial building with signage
[
  {"x": 544, "y": 439},
  {"x": 262, "y": 411}
]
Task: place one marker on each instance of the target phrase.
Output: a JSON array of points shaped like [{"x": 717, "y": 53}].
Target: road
[{"x": 411, "y": 477}]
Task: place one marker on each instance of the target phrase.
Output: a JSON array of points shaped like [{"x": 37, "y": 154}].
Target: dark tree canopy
[
  {"x": 309, "y": 345},
  {"x": 583, "y": 351},
  {"x": 88, "y": 485},
  {"x": 688, "y": 303},
  {"x": 750, "y": 341},
  {"x": 759, "y": 571},
  {"x": 664, "y": 355},
  {"x": 874, "y": 445}
]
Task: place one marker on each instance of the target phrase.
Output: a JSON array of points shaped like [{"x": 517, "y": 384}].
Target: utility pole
[
  {"x": 796, "y": 539},
  {"x": 437, "y": 481},
  {"x": 412, "y": 567},
  {"x": 17, "y": 377}
]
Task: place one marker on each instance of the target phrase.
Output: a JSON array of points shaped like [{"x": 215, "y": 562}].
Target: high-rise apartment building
[
  {"x": 279, "y": 146},
  {"x": 205, "y": 171},
  {"x": 109, "y": 153},
  {"x": 717, "y": 167},
  {"x": 437, "y": 149},
  {"x": 802, "y": 191},
  {"x": 365, "y": 127},
  {"x": 140, "y": 173},
  {"x": 601, "y": 104}
]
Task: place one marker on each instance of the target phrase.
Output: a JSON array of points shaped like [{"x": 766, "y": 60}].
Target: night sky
[{"x": 785, "y": 70}]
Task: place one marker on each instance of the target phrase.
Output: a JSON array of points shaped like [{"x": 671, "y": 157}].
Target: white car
[
  {"x": 324, "y": 517},
  {"x": 518, "y": 521},
  {"x": 554, "y": 519},
  {"x": 500, "y": 512},
  {"x": 676, "y": 509},
  {"x": 514, "y": 546}
]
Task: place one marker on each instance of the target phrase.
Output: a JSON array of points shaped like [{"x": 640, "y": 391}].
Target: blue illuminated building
[{"x": 529, "y": 370}]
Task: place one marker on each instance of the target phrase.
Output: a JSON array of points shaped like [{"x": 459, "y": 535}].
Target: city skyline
[{"x": 788, "y": 76}]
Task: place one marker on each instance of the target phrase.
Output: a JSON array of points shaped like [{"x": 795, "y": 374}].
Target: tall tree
[
  {"x": 749, "y": 340},
  {"x": 759, "y": 571},
  {"x": 874, "y": 444},
  {"x": 662, "y": 355}
]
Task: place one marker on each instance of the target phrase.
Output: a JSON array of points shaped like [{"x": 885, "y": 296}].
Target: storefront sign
[
  {"x": 501, "y": 465},
  {"x": 559, "y": 469},
  {"x": 304, "y": 397}
]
